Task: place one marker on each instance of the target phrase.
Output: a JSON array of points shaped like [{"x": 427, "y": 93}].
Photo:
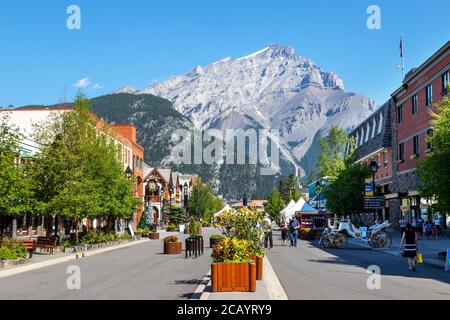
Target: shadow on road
[{"x": 390, "y": 265}]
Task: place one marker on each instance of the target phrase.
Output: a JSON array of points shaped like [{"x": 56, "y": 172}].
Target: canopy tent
[
  {"x": 290, "y": 205},
  {"x": 226, "y": 208},
  {"x": 300, "y": 207}
]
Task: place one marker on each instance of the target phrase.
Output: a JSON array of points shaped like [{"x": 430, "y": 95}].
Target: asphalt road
[
  {"x": 137, "y": 272},
  {"x": 307, "y": 272}
]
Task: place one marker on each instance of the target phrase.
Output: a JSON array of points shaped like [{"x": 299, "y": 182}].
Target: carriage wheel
[
  {"x": 340, "y": 241},
  {"x": 381, "y": 240}
]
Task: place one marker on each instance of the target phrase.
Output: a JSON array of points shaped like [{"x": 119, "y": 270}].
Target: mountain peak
[{"x": 126, "y": 89}]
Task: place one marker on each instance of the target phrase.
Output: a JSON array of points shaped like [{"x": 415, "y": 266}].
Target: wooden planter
[
  {"x": 233, "y": 277},
  {"x": 154, "y": 236},
  {"x": 173, "y": 247},
  {"x": 259, "y": 261},
  {"x": 214, "y": 241}
]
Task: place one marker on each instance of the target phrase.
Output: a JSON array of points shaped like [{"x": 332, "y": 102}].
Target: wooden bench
[
  {"x": 46, "y": 243},
  {"x": 29, "y": 245}
]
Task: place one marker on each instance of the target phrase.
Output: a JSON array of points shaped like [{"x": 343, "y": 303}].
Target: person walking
[
  {"x": 268, "y": 240},
  {"x": 428, "y": 230},
  {"x": 409, "y": 239},
  {"x": 284, "y": 232},
  {"x": 419, "y": 227},
  {"x": 437, "y": 226},
  {"x": 294, "y": 225},
  {"x": 402, "y": 224}
]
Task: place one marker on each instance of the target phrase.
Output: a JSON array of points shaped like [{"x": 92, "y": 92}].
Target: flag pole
[{"x": 403, "y": 57}]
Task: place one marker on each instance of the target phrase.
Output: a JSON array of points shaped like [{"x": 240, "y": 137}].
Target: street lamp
[
  {"x": 170, "y": 203},
  {"x": 129, "y": 172},
  {"x": 374, "y": 168},
  {"x": 318, "y": 184},
  {"x": 185, "y": 196}
]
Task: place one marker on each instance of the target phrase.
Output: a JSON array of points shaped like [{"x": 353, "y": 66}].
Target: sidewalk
[
  {"x": 267, "y": 289},
  {"x": 429, "y": 248}
]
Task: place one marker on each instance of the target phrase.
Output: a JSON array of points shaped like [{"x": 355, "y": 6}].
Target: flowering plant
[{"x": 231, "y": 250}]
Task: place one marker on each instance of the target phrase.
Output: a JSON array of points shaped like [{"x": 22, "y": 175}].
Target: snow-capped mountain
[{"x": 272, "y": 88}]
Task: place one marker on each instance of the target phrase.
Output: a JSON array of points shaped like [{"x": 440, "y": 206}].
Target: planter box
[
  {"x": 259, "y": 261},
  {"x": 12, "y": 263},
  {"x": 154, "y": 236},
  {"x": 233, "y": 277},
  {"x": 173, "y": 248},
  {"x": 214, "y": 241}
]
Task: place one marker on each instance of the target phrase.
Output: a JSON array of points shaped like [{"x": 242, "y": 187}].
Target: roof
[{"x": 376, "y": 140}]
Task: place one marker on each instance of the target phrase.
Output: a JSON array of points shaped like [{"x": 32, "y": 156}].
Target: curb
[{"x": 75, "y": 256}]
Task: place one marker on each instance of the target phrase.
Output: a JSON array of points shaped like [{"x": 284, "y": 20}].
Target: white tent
[
  {"x": 290, "y": 205},
  {"x": 296, "y": 208},
  {"x": 226, "y": 208}
]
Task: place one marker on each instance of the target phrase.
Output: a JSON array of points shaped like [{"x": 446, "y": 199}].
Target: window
[
  {"x": 401, "y": 151},
  {"x": 385, "y": 159},
  {"x": 140, "y": 164},
  {"x": 415, "y": 106},
  {"x": 137, "y": 162},
  {"x": 416, "y": 145},
  {"x": 429, "y": 95},
  {"x": 444, "y": 83},
  {"x": 429, "y": 134},
  {"x": 400, "y": 114}
]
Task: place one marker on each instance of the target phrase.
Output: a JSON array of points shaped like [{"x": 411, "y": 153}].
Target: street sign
[
  {"x": 373, "y": 202},
  {"x": 368, "y": 187}
]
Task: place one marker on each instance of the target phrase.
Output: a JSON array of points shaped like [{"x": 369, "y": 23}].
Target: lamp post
[
  {"x": 185, "y": 197},
  {"x": 170, "y": 203},
  {"x": 374, "y": 168},
  {"x": 129, "y": 173},
  {"x": 318, "y": 184}
]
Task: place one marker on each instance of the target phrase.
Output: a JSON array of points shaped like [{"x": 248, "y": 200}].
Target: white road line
[
  {"x": 43, "y": 264},
  {"x": 201, "y": 289}
]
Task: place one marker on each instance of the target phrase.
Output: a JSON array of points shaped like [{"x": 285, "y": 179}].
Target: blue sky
[{"x": 138, "y": 42}]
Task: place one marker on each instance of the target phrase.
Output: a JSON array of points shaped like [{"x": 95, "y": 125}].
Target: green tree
[
  {"x": 203, "y": 203},
  {"x": 274, "y": 205},
  {"x": 15, "y": 192},
  {"x": 331, "y": 159},
  {"x": 434, "y": 171},
  {"x": 345, "y": 193},
  {"x": 288, "y": 189},
  {"x": 77, "y": 174}
]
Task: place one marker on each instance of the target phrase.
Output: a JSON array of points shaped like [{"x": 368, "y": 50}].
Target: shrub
[
  {"x": 11, "y": 251},
  {"x": 171, "y": 227},
  {"x": 217, "y": 236},
  {"x": 231, "y": 250},
  {"x": 194, "y": 227},
  {"x": 171, "y": 239}
]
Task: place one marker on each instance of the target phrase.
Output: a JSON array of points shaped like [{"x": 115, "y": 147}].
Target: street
[
  {"x": 307, "y": 272},
  {"x": 139, "y": 272}
]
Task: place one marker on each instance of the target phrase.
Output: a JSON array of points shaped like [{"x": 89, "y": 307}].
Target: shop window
[{"x": 445, "y": 83}]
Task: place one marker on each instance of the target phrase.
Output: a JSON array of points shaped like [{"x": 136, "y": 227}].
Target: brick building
[{"x": 411, "y": 103}]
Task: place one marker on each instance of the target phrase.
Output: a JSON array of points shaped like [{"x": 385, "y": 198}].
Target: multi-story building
[
  {"x": 131, "y": 156},
  {"x": 412, "y": 103},
  {"x": 373, "y": 140}
]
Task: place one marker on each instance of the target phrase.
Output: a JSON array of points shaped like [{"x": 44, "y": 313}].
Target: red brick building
[{"x": 412, "y": 102}]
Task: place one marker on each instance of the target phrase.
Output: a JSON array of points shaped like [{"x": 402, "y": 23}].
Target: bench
[
  {"x": 29, "y": 245},
  {"x": 46, "y": 243}
]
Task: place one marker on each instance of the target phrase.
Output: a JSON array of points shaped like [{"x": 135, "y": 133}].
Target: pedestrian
[
  {"x": 294, "y": 225},
  {"x": 428, "y": 230},
  {"x": 284, "y": 232},
  {"x": 402, "y": 224},
  {"x": 268, "y": 240},
  {"x": 437, "y": 226},
  {"x": 409, "y": 239},
  {"x": 419, "y": 225}
]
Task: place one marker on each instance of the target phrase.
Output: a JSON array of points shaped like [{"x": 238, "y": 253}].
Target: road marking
[
  {"x": 201, "y": 293},
  {"x": 43, "y": 264},
  {"x": 273, "y": 285}
]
